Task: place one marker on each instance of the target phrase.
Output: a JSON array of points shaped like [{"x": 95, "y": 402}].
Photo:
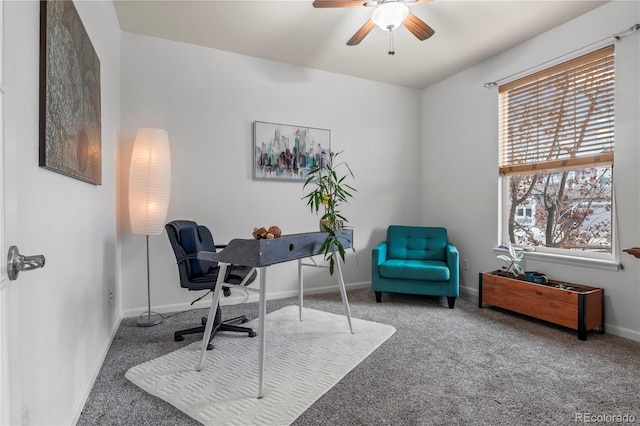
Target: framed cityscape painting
[
  {"x": 70, "y": 126},
  {"x": 287, "y": 152}
]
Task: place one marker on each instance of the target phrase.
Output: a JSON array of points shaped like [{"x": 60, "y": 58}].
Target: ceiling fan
[{"x": 387, "y": 14}]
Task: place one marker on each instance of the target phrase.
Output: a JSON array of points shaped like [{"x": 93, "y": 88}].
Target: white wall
[
  {"x": 460, "y": 132},
  {"x": 207, "y": 100},
  {"x": 65, "y": 318}
]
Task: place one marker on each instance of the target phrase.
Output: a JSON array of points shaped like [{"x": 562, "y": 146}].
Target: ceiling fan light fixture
[{"x": 389, "y": 16}]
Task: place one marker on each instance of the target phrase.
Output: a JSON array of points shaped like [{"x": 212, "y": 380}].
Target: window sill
[{"x": 585, "y": 262}]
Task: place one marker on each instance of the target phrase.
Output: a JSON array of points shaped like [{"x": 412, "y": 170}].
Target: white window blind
[{"x": 559, "y": 118}]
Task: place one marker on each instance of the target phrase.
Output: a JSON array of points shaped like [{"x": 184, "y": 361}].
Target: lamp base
[{"x": 149, "y": 319}]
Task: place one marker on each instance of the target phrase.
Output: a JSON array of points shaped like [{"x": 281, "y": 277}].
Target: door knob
[{"x": 17, "y": 262}]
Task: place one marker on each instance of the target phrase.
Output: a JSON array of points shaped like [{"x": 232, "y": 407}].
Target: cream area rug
[{"x": 303, "y": 360}]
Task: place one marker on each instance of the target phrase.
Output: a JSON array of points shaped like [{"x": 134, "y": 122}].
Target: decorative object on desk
[
  {"x": 149, "y": 191},
  {"x": 263, "y": 233},
  {"x": 275, "y": 231},
  {"x": 284, "y": 152},
  {"x": 259, "y": 233},
  {"x": 70, "y": 126},
  {"x": 319, "y": 350},
  {"x": 331, "y": 190},
  {"x": 513, "y": 266}
]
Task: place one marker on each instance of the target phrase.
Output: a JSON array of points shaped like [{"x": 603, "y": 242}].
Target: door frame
[
  {"x": 10, "y": 390},
  {"x": 5, "y": 402},
  {"x": 4, "y": 281}
]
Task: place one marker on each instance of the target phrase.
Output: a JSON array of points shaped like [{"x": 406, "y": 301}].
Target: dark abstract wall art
[{"x": 70, "y": 121}]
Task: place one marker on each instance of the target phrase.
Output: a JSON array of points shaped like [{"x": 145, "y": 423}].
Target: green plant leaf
[{"x": 516, "y": 267}]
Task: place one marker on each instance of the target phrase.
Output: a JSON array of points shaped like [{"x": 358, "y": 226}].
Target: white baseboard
[
  {"x": 469, "y": 291},
  {"x": 84, "y": 395},
  {"x": 622, "y": 332},
  {"x": 238, "y": 296}
]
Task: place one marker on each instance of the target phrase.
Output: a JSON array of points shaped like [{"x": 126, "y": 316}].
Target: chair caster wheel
[
  {"x": 204, "y": 321},
  {"x": 210, "y": 346},
  {"x": 244, "y": 320},
  {"x": 253, "y": 334},
  {"x": 178, "y": 338}
]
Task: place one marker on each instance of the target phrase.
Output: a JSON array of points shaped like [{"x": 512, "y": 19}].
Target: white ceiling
[{"x": 294, "y": 32}]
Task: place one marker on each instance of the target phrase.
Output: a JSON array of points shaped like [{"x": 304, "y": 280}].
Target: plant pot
[
  {"x": 577, "y": 307},
  {"x": 323, "y": 223}
]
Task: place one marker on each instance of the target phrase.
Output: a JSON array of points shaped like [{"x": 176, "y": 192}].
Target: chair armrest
[
  {"x": 186, "y": 257},
  {"x": 379, "y": 254},
  {"x": 453, "y": 261},
  {"x": 195, "y": 255}
]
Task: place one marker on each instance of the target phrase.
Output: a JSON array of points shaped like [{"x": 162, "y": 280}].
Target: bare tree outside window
[{"x": 568, "y": 209}]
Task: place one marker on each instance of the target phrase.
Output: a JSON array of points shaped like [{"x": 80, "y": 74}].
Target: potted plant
[
  {"x": 512, "y": 261},
  {"x": 330, "y": 191}
]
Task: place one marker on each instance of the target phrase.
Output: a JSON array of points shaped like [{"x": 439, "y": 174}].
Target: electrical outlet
[
  {"x": 111, "y": 297},
  {"x": 465, "y": 264}
]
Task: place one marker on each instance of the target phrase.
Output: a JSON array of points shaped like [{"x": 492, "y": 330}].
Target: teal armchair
[{"x": 416, "y": 260}]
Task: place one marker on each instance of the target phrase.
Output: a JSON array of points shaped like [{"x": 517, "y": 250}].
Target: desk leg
[
  {"x": 343, "y": 291},
  {"x": 262, "y": 332},
  {"x": 300, "y": 287},
  {"x": 212, "y": 313}
]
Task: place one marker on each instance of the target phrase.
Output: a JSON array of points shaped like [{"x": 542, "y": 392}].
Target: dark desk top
[{"x": 259, "y": 253}]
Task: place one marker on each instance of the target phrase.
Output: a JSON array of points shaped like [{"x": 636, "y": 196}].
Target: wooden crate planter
[{"x": 580, "y": 309}]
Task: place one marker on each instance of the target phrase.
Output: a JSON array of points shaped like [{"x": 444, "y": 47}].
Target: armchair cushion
[
  {"x": 424, "y": 270},
  {"x": 416, "y": 243}
]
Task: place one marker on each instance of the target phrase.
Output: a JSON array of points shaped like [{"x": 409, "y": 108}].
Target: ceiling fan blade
[
  {"x": 417, "y": 27},
  {"x": 361, "y": 33},
  {"x": 338, "y": 3}
]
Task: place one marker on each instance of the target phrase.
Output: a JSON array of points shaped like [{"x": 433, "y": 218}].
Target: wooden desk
[{"x": 262, "y": 254}]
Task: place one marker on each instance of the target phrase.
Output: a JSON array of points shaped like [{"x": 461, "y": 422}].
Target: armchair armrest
[
  {"x": 454, "y": 265},
  {"x": 452, "y": 256},
  {"x": 379, "y": 254}
]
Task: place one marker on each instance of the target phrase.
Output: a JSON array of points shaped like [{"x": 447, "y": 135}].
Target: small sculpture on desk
[
  {"x": 267, "y": 234},
  {"x": 275, "y": 231}
]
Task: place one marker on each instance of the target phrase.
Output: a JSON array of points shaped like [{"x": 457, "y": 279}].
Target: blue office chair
[{"x": 187, "y": 239}]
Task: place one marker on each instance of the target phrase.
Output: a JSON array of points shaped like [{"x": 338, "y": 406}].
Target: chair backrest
[
  {"x": 187, "y": 239},
  {"x": 416, "y": 243}
]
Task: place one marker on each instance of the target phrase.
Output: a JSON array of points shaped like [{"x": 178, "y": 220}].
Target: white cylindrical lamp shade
[{"x": 149, "y": 181}]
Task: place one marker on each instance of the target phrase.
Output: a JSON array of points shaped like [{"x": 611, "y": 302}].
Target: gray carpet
[{"x": 462, "y": 366}]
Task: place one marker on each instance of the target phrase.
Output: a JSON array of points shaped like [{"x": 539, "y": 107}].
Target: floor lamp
[{"x": 149, "y": 191}]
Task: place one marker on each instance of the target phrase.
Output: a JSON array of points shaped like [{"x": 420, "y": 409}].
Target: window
[{"x": 556, "y": 156}]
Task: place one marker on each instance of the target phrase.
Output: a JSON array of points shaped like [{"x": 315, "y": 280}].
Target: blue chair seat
[{"x": 426, "y": 270}]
